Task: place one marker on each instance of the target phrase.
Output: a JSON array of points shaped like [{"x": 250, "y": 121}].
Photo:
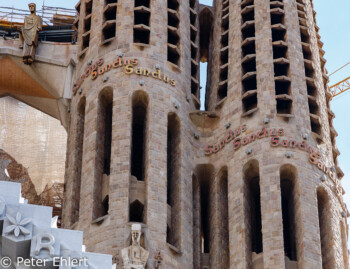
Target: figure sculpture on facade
[
  {"x": 29, "y": 35},
  {"x": 135, "y": 257}
]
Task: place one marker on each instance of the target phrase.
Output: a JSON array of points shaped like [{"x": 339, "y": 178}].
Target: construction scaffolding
[
  {"x": 10, "y": 16},
  {"x": 58, "y": 23}
]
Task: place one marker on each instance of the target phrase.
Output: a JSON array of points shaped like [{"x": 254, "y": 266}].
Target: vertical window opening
[
  {"x": 224, "y": 51},
  {"x": 203, "y": 84},
  {"x": 194, "y": 51},
  {"x": 288, "y": 219},
  {"x": 252, "y": 207},
  {"x": 249, "y": 81},
  {"x": 136, "y": 211},
  {"x": 103, "y": 155},
  {"x": 87, "y": 27},
  {"x": 284, "y": 101},
  {"x": 78, "y": 160},
  {"x": 173, "y": 32},
  {"x": 254, "y": 190},
  {"x": 205, "y": 216},
  {"x": 289, "y": 203},
  {"x": 223, "y": 219},
  {"x": 315, "y": 122},
  {"x": 109, "y": 21},
  {"x": 142, "y": 19},
  {"x": 108, "y": 138},
  {"x": 205, "y": 35},
  {"x": 138, "y": 141},
  {"x": 208, "y": 205},
  {"x": 173, "y": 180},
  {"x": 137, "y": 197},
  {"x": 326, "y": 235},
  {"x": 196, "y": 223}
]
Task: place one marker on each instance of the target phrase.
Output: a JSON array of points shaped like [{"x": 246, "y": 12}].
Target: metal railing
[
  {"x": 15, "y": 16},
  {"x": 60, "y": 31}
]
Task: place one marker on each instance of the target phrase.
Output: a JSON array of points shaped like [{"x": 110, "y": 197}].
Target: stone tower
[{"x": 250, "y": 182}]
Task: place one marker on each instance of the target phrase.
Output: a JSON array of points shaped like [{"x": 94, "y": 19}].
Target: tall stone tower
[{"x": 250, "y": 182}]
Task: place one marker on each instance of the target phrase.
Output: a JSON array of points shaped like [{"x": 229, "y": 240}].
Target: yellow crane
[{"x": 341, "y": 86}]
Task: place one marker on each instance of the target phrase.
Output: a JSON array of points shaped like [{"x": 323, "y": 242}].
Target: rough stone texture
[{"x": 111, "y": 234}]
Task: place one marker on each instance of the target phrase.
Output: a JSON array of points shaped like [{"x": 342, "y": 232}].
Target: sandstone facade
[{"x": 214, "y": 188}]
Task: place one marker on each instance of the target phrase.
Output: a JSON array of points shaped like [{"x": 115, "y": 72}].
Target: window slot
[
  {"x": 173, "y": 54},
  {"x": 249, "y": 84},
  {"x": 173, "y": 178},
  {"x": 250, "y": 16},
  {"x": 249, "y": 48},
  {"x": 103, "y": 155},
  {"x": 141, "y": 36},
  {"x": 173, "y": 37},
  {"x": 248, "y": 31},
  {"x": 144, "y": 3},
  {"x": 142, "y": 18},
  {"x": 252, "y": 205},
  {"x": 281, "y": 70},
  {"x": 250, "y": 102},
  {"x": 284, "y": 106},
  {"x": 173, "y": 4},
  {"x": 282, "y": 87},
  {"x": 279, "y": 52},
  {"x": 88, "y": 7}
]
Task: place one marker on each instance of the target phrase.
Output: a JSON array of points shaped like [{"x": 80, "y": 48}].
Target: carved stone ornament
[
  {"x": 26, "y": 231},
  {"x": 17, "y": 226},
  {"x": 135, "y": 257}
]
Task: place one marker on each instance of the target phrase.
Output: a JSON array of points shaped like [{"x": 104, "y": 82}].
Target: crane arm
[{"x": 340, "y": 87}]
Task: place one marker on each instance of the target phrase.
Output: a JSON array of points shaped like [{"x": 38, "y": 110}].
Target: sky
[{"x": 334, "y": 22}]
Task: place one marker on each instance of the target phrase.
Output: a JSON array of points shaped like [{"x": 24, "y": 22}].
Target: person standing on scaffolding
[{"x": 28, "y": 35}]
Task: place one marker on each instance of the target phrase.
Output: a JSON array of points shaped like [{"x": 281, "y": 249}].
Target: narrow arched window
[
  {"x": 325, "y": 224},
  {"x": 78, "y": 159},
  {"x": 252, "y": 208},
  {"x": 139, "y": 122},
  {"x": 196, "y": 222},
  {"x": 138, "y": 157},
  {"x": 223, "y": 218},
  {"x": 173, "y": 180},
  {"x": 210, "y": 231},
  {"x": 103, "y": 154},
  {"x": 288, "y": 178}
]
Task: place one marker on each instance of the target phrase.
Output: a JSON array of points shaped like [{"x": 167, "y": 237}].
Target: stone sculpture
[
  {"x": 27, "y": 235},
  {"x": 29, "y": 34},
  {"x": 135, "y": 257}
]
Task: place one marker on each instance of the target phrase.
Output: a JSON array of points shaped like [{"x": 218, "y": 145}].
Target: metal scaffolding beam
[{"x": 340, "y": 87}]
